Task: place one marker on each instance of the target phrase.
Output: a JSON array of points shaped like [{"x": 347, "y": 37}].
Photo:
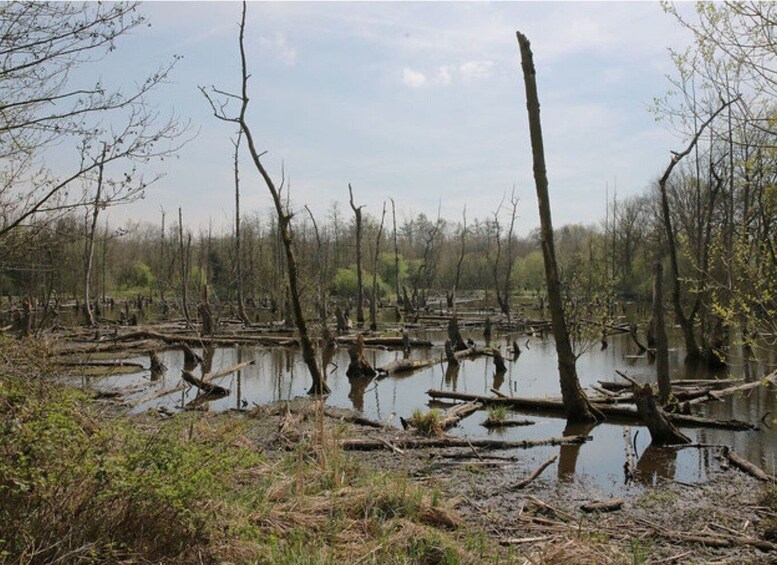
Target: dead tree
[
  {"x": 206, "y": 316},
  {"x": 397, "y": 288},
  {"x": 462, "y": 250},
  {"x": 319, "y": 386},
  {"x": 662, "y": 431},
  {"x": 576, "y": 404},
  {"x": 321, "y": 269},
  {"x": 454, "y": 335},
  {"x": 662, "y": 344},
  {"x": 357, "y": 212},
  {"x": 184, "y": 250},
  {"x": 241, "y": 307},
  {"x": 374, "y": 301},
  {"x": 89, "y": 243}
]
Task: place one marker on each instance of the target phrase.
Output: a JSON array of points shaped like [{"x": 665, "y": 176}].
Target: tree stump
[
  {"x": 662, "y": 432},
  {"x": 359, "y": 365},
  {"x": 454, "y": 335}
]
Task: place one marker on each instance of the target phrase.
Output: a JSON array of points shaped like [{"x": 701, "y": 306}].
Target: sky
[{"x": 422, "y": 102}]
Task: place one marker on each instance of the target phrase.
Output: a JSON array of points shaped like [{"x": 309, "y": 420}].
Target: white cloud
[
  {"x": 445, "y": 75},
  {"x": 476, "y": 69},
  {"x": 279, "y": 48},
  {"x": 413, "y": 79}
]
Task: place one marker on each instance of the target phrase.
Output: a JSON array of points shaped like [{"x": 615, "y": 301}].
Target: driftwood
[
  {"x": 525, "y": 482},
  {"x": 490, "y": 423},
  {"x": 387, "y": 341},
  {"x": 554, "y": 406},
  {"x": 413, "y": 443},
  {"x": 743, "y": 464},
  {"x": 603, "y": 506}
]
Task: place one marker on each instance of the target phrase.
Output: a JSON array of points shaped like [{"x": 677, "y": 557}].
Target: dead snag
[
  {"x": 206, "y": 317},
  {"x": 635, "y": 338},
  {"x": 357, "y": 211},
  {"x": 359, "y": 366},
  {"x": 662, "y": 431},
  {"x": 190, "y": 358},
  {"x": 487, "y": 328},
  {"x": 516, "y": 351},
  {"x": 662, "y": 343},
  {"x": 454, "y": 335},
  {"x": 525, "y": 482},
  {"x": 576, "y": 404},
  {"x": 157, "y": 367},
  {"x": 343, "y": 324},
  {"x": 450, "y": 355}
]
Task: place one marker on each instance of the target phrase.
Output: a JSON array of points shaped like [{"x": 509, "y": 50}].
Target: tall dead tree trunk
[
  {"x": 397, "y": 288},
  {"x": 184, "y": 268},
  {"x": 241, "y": 307},
  {"x": 319, "y": 386},
  {"x": 357, "y": 211},
  {"x": 576, "y": 404},
  {"x": 321, "y": 268},
  {"x": 89, "y": 243},
  {"x": 662, "y": 344},
  {"x": 462, "y": 250},
  {"x": 374, "y": 300}
]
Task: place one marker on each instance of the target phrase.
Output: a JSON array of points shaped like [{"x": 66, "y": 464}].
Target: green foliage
[
  {"x": 497, "y": 413},
  {"x": 427, "y": 424},
  {"x": 137, "y": 275},
  {"x": 529, "y": 272},
  {"x": 345, "y": 283}
]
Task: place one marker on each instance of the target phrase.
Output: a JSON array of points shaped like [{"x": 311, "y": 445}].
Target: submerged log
[
  {"x": 388, "y": 341},
  {"x": 413, "y": 443},
  {"x": 525, "y": 482},
  {"x": 406, "y": 366},
  {"x": 555, "y": 407}
]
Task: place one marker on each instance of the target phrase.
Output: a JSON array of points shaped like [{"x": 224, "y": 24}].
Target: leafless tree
[{"x": 220, "y": 109}]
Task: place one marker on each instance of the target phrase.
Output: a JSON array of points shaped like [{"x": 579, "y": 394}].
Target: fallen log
[
  {"x": 208, "y": 377},
  {"x": 525, "y": 482},
  {"x": 205, "y": 387},
  {"x": 770, "y": 379},
  {"x": 405, "y": 366},
  {"x": 386, "y": 341},
  {"x": 453, "y": 416},
  {"x": 744, "y": 465},
  {"x": 100, "y": 364},
  {"x": 554, "y": 406},
  {"x": 603, "y": 506},
  {"x": 197, "y": 341},
  {"x": 490, "y": 424},
  {"x": 413, "y": 443}
]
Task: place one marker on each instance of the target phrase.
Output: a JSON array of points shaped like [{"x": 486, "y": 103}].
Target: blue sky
[{"x": 422, "y": 102}]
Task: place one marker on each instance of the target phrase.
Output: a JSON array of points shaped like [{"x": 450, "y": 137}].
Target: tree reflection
[{"x": 567, "y": 456}]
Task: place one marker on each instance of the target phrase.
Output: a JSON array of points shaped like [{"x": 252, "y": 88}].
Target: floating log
[
  {"x": 770, "y": 379},
  {"x": 101, "y": 364},
  {"x": 414, "y": 443},
  {"x": 406, "y": 366},
  {"x": 554, "y": 406},
  {"x": 387, "y": 341},
  {"x": 489, "y": 423},
  {"x": 453, "y": 416}
]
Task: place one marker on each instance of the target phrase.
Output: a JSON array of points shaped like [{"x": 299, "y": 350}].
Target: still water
[{"x": 280, "y": 374}]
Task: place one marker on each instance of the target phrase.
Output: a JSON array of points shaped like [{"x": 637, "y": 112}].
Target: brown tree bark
[
  {"x": 662, "y": 431},
  {"x": 374, "y": 297},
  {"x": 357, "y": 212},
  {"x": 662, "y": 343},
  {"x": 576, "y": 404}
]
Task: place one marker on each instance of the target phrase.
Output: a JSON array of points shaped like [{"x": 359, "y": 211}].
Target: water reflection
[
  {"x": 568, "y": 454},
  {"x": 280, "y": 374},
  {"x": 656, "y": 462}
]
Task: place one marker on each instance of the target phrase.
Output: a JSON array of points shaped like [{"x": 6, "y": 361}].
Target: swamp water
[{"x": 280, "y": 374}]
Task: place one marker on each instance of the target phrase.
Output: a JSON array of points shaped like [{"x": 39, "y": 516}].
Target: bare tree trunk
[
  {"x": 576, "y": 404},
  {"x": 662, "y": 346},
  {"x": 184, "y": 269},
  {"x": 462, "y": 251},
  {"x": 396, "y": 253},
  {"x": 241, "y": 308},
  {"x": 319, "y": 386},
  {"x": 357, "y": 211},
  {"x": 374, "y": 301},
  {"x": 89, "y": 244},
  {"x": 321, "y": 267}
]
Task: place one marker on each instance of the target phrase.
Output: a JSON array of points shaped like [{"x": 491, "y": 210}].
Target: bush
[{"x": 138, "y": 275}]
